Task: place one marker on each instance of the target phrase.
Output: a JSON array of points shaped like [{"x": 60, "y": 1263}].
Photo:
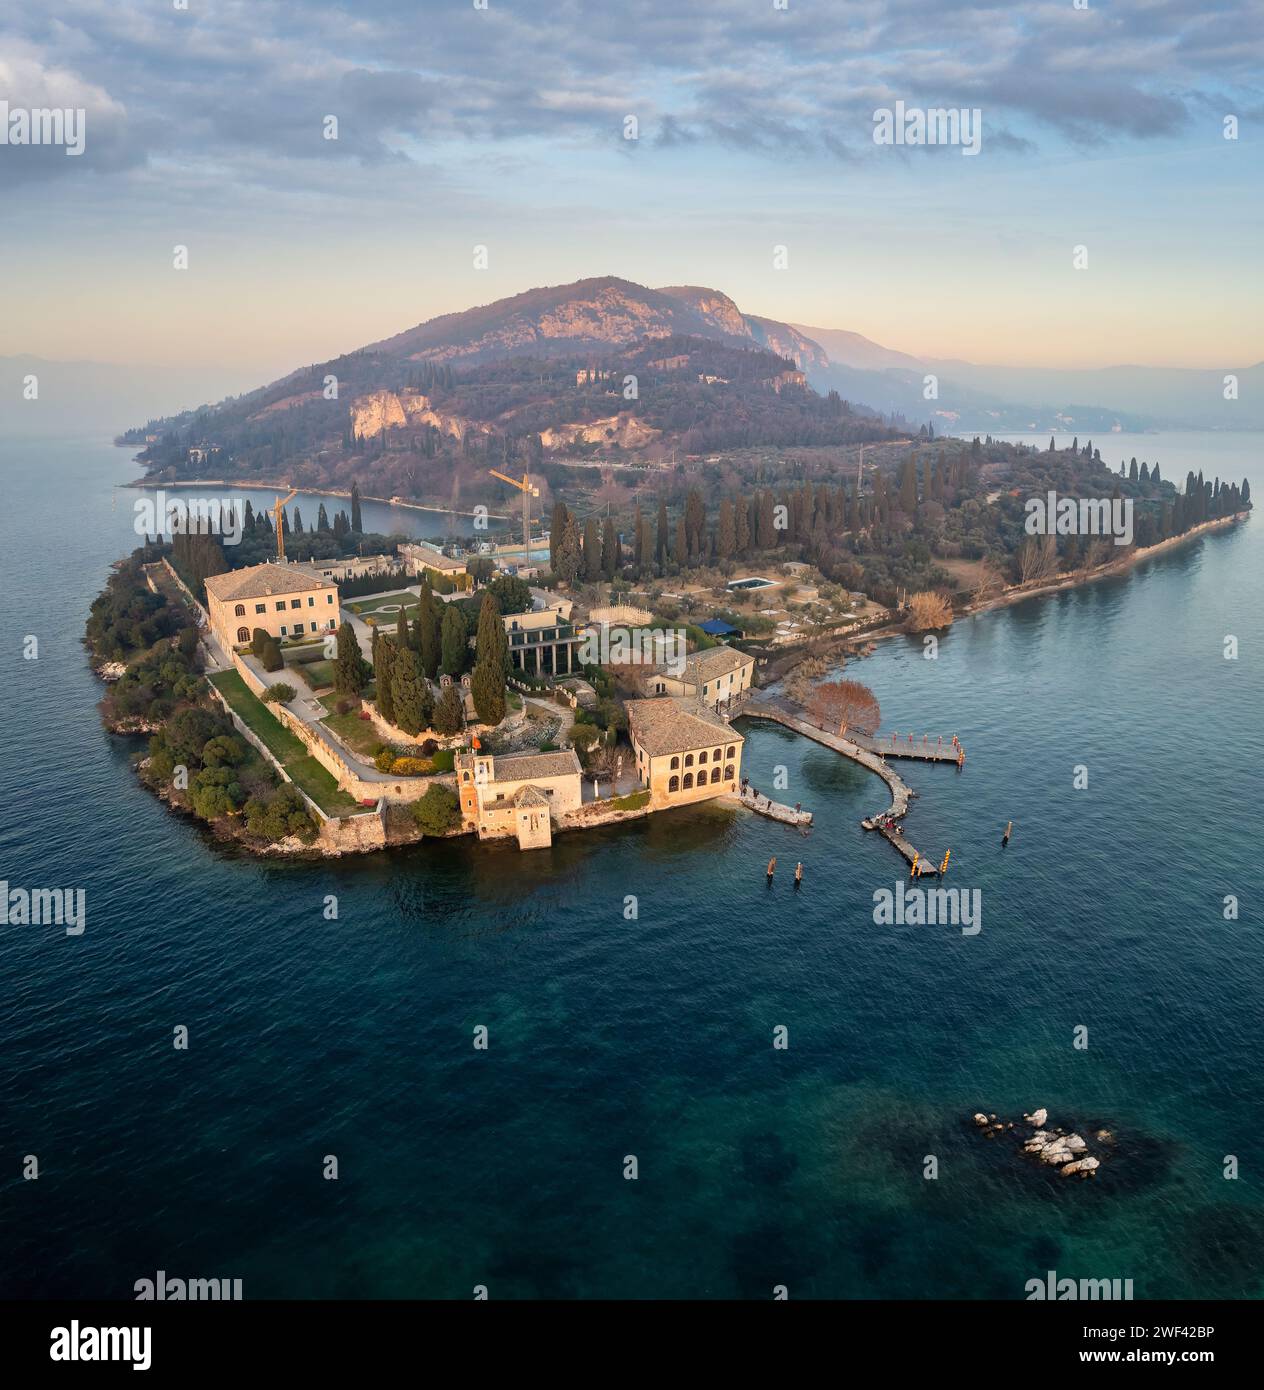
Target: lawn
[
  {"x": 355, "y": 732},
  {"x": 287, "y": 748},
  {"x": 318, "y": 674},
  {"x": 371, "y": 605}
]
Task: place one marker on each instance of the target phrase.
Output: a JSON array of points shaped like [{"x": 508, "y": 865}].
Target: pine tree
[{"x": 453, "y": 641}]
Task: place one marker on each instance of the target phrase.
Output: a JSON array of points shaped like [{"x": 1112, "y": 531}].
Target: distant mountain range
[{"x": 601, "y": 318}]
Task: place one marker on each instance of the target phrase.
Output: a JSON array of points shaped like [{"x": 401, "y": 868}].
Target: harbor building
[
  {"x": 285, "y": 600},
  {"x": 517, "y": 794},
  {"x": 684, "y": 751}
]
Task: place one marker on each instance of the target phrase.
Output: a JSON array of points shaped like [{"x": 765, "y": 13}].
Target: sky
[{"x": 504, "y": 125}]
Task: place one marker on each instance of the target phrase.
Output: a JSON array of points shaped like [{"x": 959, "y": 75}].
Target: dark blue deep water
[{"x": 653, "y": 1037}]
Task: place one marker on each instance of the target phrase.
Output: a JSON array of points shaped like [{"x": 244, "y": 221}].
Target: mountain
[
  {"x": 601, "y": 369},
  {"x": 844, "y": 349}
]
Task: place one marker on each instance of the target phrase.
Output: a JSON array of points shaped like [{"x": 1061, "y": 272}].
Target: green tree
[
  {"x": 448, "y": 715},
  {"x": 610, "y": 557},
  {"x": 357, "y": 521},
  {"x": 384, "y": 677},
  {"x": 592, "y": 551},
  {"x": 429, "y": 621},
  {"x": 351, "y": 671},
  {"x": 408, "y": 691},
  {"x": 487, "y": 686},
  {"x": 726, "y": 536},
  {"x": 512, "y": 595},
  {"x": 454, "y": 641},
  {"x": 438, "y": 811},
  {"x": 569, "y": 558},
  {"x": 491, "y": 645}
]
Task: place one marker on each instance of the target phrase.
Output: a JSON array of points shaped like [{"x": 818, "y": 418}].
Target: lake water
[{"x": 653, "y": 1036}]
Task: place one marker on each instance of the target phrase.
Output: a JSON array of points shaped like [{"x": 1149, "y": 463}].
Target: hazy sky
[{"x": 504, "y": 127}]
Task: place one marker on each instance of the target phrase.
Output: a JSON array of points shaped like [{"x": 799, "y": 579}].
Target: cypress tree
[
  {"x": 351, "y": 673},
  {"x": 406, "y": 691},
  {"x": 428, "y": 620},
  {"x": 383, "y": 668},
  {"x": 448, "y": 714},
  {"x": 487, "y": 686},
  {"x": 453, "y": 641},
  {"x": 357, "y": 521},
  {"x": 660, "y": 545},
  {"x": 609, "y": 550},
  {"x": 592, "y": 551}
]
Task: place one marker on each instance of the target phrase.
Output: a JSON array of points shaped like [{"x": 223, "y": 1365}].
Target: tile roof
[
  {"x": 668, "y": 725},
  {"x": 715, "y": 661},
  {"x": 526, "y": 767},
  {"x": 530, "y": 796},
  {"x": 260, "y": 581}
]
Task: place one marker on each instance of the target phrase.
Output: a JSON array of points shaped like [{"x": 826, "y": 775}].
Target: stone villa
[
  {"x": 684, "y": 751},
  {"x": 286, "y": 600},
  {"x": 543, "y": 642},
  {"x": 517, "y": 794},
  {"x": 713, "y": 676}
]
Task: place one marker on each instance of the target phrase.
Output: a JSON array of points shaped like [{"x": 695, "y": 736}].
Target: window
[
  {"x": 243, "y": 634},
  {"x": 329, "y": 598},
  {"x": 331, "y": 623},
  {"x": 674, "y": 785},
  {"x": 675, "y": 762},
  {"x": 702, "y": 757},
  {"x": 296, "y": 603},
  {"x": 704, "y": 689},
  {"x": 261, "y": 607},
  {"x": 688, "y": 759},
  {"x": 283, "y": 632},
  {"x": 239, "y": 611},
  {"x": 732, "y": 750},
  {"x": 728, "y": 773},
  {"x": 715, "y": 774},
  {"x": 311, "y": 600},
  {"x": 688, "y": 781},
  {"x": 280, "y": 608}
]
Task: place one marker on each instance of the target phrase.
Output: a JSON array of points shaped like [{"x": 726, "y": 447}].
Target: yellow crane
[
  {"x": 528, "y": 490},
  {"x": 280, "y": 524}
]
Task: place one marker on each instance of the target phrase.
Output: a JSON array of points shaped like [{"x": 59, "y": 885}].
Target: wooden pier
[
  {"x": 870, "y": 753},
  {"x": 766, "y": 806}
]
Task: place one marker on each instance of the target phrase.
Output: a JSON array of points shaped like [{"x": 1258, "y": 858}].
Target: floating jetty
[
  {"x": 774, "y": 810},
  {"x": 870, "y": 753}
]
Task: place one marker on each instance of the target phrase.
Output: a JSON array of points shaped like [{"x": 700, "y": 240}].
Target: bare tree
[
  {"x": 1037, "y": 558},
  {"x": 845, "y": 705},
  {"x": 926, "y": 610}
]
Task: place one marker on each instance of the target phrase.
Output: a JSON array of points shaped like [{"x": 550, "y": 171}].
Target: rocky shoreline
[{"x": 1059, "y": 1148}]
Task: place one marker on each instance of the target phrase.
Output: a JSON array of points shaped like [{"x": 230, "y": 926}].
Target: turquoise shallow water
[{"x": 653, "y": 1037}]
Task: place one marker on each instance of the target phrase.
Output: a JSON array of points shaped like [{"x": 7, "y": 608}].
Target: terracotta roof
[
  {"x": 261, "y": 581},
  {"x": 530, "y": 796},
  {"x": 715, "y": 661},
  {"x": 526, "y": 767},
  {"x": 668, "y": 725}
]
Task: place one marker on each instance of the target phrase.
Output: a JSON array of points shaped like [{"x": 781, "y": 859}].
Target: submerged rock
[{"x": 1037, "y": 1118}]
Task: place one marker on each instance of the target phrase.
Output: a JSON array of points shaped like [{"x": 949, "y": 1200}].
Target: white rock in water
[
  {"x": 1075, "y": 1143},
  {"x": 1038, "y": 1141},
  {"x": 1037, "y": 1118},
  {"x": 1082, "y": 1166},
  {"x": 1056, "y": 1153},
  {"x": 980, "y": 1120}
]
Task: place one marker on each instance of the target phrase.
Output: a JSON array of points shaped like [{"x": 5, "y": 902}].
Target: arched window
[
  {"x": 243, "y": 634},
  {"x": 674, "y": 785},
  {"x": 715, "y": 757},
  {"x": 732, "y": 751},
  {"x": 728, "y": 773},
  {"x": 688, "y": 759},
  {"x": 465, "y": 777},
  {"x": 239, "y": 611},
  {"x": 675, "y": 762},
  {"x": 688, "y": 781},
  {"x": 702, "y": 757},
  {"x": 715, "y": 773}
]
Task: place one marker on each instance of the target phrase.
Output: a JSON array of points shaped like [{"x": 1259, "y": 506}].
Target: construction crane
[
  {"x": 528, "y": 490},
  {"x": 278, "y": 517}
]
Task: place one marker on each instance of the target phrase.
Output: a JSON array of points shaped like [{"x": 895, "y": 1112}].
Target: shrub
[
  {"x": 411, "y": 767},
  {"x": 438, "y": 811},
  {"x": 346, "y": 706},
  {"x": 428, "y": 748},
  {"x": 443, "y": 760},
  {"x": 384, "y": 759},
  {"x": 279, "y": 694}
]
